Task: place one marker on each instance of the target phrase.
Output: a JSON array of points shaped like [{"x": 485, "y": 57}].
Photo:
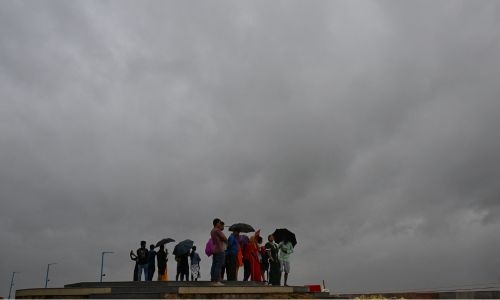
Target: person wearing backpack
[
  {"x": 142, "y": 262},
  {"x": 218, "y": 256}
]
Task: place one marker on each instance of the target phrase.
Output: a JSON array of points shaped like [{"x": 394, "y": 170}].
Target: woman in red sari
[{"x": 253, "y": 248}]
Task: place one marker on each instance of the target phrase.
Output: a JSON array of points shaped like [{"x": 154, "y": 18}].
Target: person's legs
[
  {"x": 135, "y": 272},
  {"x": 231, "y": 267},
  {"x": 217, "y": 262},
  {"x": 285, "y": 267},
  {"x": 151, "y": 272},
  {"x": 140, "y": 270},
  {"x": 138, "y": 273},
  {"x": 215, "y": 271},
  {"x": 146, "y": 272},
  {"x": 246, "y": 269}
]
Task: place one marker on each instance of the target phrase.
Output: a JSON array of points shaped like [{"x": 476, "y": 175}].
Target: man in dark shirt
[
  {"x": 151, "y": 262},
  {"x": 142, "y": 261}
]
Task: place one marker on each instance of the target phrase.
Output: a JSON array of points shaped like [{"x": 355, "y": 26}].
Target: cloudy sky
[{"x": 369, "y": 128}]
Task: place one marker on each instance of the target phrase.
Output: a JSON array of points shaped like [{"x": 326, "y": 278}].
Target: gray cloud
[{"x": 368, "y": 128}]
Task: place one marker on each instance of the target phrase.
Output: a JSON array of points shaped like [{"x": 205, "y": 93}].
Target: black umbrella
[
  {"x": 241, "y": 227},
  {"x": 284, "y": 235},
  {"x": 164, "y": 241},
  {"x": 183, "y": 247}
]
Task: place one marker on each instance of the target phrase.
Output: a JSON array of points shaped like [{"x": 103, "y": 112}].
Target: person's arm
[{"x": 222, "y": 236}]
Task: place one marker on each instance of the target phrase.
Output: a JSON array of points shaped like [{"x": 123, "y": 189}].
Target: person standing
[
  {"x": 161, "y": 259},
  {"x": 182, "y": 267},
  {"x": 219, "y": 241},
  {"x": 274, "y": 273},
  {"x": 151, "y": 262},
  {"x": 232, "y": 255},
  {"x": 142, "y": 261},
  {"x": 195, "y": 264},
  {"x": 253, "y": 248},
  {"x": 133, "y": 257},
  {"x": 245, "y": 250},
  {"x": 264, "y": 260},
  {"x": 285, "y": 250}
]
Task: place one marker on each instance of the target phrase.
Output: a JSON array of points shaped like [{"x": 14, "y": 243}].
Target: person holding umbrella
[
  {"x": 182, "y": 267},
  {"x": 232, "y": 255},
  {"x": 161, "y": 259},
  {"x": 181, "y": 252},
  {"x": 287, "y": 242},
  {"x": 285, "y": 250}
]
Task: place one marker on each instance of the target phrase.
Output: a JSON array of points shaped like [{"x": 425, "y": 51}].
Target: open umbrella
[
  {"x": 241, "y": 227},
  {"x": 183, "y": 247},
  {"x": 164, "y": 241},
  {"x": 286, "y": 235}
]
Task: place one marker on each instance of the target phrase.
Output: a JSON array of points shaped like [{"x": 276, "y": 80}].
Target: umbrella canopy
[
  {"x": 241, "y": 227},
  {"x": 286, "y": 235},
  {"x": 183, "y": 247},
  {"x": 164, "y": 241}
]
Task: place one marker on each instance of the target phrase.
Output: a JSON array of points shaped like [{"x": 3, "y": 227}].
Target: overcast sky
[{"x": 368, "y": 128}]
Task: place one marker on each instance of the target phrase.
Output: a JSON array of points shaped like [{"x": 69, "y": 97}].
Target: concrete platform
[{"x": 169, "y": 290}]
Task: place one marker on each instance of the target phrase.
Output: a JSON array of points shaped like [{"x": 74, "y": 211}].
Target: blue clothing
[
  {"x": 142, "y": 269},
  {"x": 195, "y": 258},
  {"x": 151, "y": 257},
  {"x": 232, "y": 245}
]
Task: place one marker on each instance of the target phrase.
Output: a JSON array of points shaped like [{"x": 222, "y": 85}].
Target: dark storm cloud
[{"x": 368, "y": 128}]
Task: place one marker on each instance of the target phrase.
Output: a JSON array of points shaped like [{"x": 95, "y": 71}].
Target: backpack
[
  {"x": 209, "y": 247},
  {"x": 142, "y": 256}
]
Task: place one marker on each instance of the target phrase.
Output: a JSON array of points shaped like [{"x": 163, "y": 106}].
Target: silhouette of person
[
  {"x": 142, "y": 261},
  {"x": 162, "y": 258},
  {"x": 151, "y": 262}
]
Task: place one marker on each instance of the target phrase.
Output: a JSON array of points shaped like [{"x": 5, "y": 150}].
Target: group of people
[
  {"x": 145, "y": 263},
  {"x": 238, "y": 250},
  {"x": 261, "y": 263}
]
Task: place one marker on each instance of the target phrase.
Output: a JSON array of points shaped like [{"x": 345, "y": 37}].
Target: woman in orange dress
[
  {"x": 253, "y": 248},
  {"x": 162, "y": 258}
]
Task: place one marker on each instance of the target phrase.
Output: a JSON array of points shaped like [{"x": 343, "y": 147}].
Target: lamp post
[
  {"x": 12, "y": 283},
  {"x": 47, "y": 275},
  {"x": 102, "y": 261}
]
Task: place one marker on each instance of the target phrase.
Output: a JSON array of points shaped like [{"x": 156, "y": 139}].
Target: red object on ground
[{"x": 314, "y": 287}]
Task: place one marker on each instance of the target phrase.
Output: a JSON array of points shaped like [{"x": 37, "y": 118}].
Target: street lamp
[
  {"x": 102, "y": 261},
  {"x": 12, "y": 282},
  {"x": 47, "y": 275}
]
